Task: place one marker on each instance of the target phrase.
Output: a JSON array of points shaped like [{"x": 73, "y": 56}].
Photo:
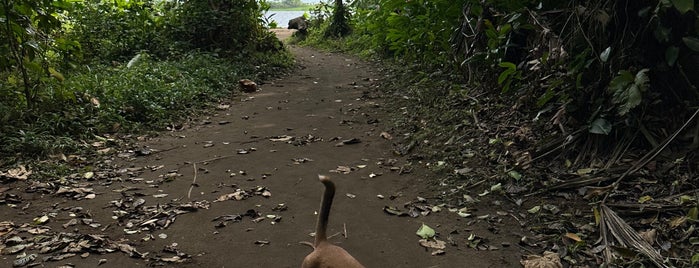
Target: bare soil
[{"x": 281, "y": 137}]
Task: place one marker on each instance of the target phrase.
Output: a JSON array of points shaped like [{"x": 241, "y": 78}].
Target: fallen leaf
[
  {"x": 283, "y": 138},
  {"x": 435, "y": 244},
  {"x": 534, "y": 209},
  {"x": 548, "y": 260},
  {"x": 425, "y": 231},
  {"x": 19, "y": 173},
  {"x": 41, "y": 220},
  {"x": 386, "y": 135},
  {"x": 573, "y": 237},
  {"x": 342, "y": 169},
  {"x": 394, "y": 211},
  {"x": 438, "y": 252}
]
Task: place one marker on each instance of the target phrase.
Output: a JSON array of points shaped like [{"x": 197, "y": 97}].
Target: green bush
[
  {"x": 116, "y": 30},
  {"x": 230, "y": 27}
]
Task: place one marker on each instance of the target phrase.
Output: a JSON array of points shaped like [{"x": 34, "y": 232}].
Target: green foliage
[
  {"x": 339, "y": 26},
  {"x": 74, "y": 69},
  {"x": 25, "y": 42},
  {"x": 627, "y": 90},
  {"x": 572, "y": 61},
  {"x": 508, "y": 75},
  {"x": 116, "y": 31},
  {"x": 145, "y": 94},
  {"x": 412, "y": 29},
  {"x": 223, "y": 26}
]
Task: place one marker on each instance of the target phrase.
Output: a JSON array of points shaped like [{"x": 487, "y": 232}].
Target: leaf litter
[{"x": 34, "y": 244}]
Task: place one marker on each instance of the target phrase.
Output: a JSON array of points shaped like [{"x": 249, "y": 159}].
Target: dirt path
[{"x": 279, "y": 138}]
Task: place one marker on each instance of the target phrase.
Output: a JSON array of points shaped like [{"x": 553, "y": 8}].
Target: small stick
[
  {"x": 194, "y": 181},
  {"x": 216, "y": 158},
  {"x": 334, "y": 235},
  {"x": 344, "y": 226}
]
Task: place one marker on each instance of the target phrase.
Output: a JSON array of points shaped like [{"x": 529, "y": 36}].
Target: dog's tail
[{"x": 324, "y": 214}]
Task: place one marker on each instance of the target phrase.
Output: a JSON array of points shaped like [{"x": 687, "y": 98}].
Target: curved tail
[{"x": 325, "y": 204}]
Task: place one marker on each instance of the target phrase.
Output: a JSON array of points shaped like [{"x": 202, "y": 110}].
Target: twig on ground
[
  {"x": 216, "y": 158},
  {"x": 344, "y": 227},
  {"x": 194, "y": 181}
]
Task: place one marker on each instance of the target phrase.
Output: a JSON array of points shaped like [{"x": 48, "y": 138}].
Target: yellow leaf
[
  {"x": 534, "y": 210},
  {"x": 644, "y": 199},
  {"x": 584, "y": 171},
  {"x": 677, "y": 221},
  {"x": 56, "y": 74},
  {"x": 573, "y": 237}
]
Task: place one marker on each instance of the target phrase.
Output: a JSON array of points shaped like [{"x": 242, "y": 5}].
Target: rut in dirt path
[{"x": 267, "y": 149}]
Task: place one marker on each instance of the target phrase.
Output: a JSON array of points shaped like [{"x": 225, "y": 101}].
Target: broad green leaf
[
  {"x": 693, "y": 213},
  {"x": 633, "y": 99},
  {"x": 508, "y": 65},
  {"x": 691, "y": 42},
  {"x": 514, "y": 174},
  {"x": 694, "y": 240},
  {"x": 505, "y": 29},
  {"x": 671, "y": 54},
  {"x": 620, "y": 81},
  {"x": 686, "y": 199},
  {"x": 683, "y": 5},
  {"x": 503, "y": 76},
  {"x": 534, "y": 210},
  {"x": 605, "y": 54},
  {"x": 510, "y": 68},
  {"x": 425, "y": 231},
  {"x": 600, "y": 126},
  {"x": 695, "y": 259},
  {"x": 56, "y": 74},
  {"x": 627, "y": 90}
]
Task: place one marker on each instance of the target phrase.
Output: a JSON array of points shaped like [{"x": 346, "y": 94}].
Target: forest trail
[{"x": 275, "y": 142}]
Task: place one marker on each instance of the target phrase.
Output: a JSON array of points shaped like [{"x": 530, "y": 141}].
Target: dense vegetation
[
  {"x": 597, "y": 96},
  {"x": 71, "y": 70}
]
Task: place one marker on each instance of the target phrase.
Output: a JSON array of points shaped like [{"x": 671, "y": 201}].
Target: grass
[{"x": 113, "y": 99}]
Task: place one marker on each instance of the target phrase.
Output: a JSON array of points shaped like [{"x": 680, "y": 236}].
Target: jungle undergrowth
[{"x": 138, "y": 97}]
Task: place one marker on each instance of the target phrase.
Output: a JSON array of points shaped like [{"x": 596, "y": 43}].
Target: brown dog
[{"x": 325, "y": 254}]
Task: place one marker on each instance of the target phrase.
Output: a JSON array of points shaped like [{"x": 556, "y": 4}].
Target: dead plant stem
[{"x": 650, "y": 155}]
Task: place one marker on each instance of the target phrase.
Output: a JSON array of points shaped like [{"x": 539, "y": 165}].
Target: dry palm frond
[{"x": 625, "y": 236}]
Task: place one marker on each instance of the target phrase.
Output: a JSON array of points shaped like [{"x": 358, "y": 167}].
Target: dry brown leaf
[
  {"x": 548, "y": 260},
  {"x": 386, "y": 135},
  {"x": 435, "y": 244},
  {"x": 573, "y": 237},
  {"x": 19, "y": 173}
]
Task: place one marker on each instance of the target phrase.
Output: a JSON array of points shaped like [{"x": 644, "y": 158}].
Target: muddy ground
[{"x": 267, "y": 148}]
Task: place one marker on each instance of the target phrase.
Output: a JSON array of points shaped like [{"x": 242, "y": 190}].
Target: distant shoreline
[{"x": 301, "y": 8}]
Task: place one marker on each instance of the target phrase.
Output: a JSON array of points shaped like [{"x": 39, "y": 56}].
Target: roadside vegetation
[
  {"x": 576, "y": 111},
  {"x": 76, "y": 71}
]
